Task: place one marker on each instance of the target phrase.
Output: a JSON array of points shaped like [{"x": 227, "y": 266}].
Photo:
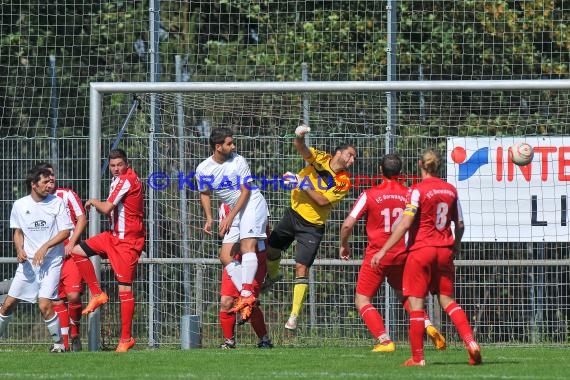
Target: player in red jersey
[
  {"x": 70, "y": 284},
  {"x": 229, "y": 294},
  {"x": 383, "y": 205},
  {"x": 122, "y": 243},
  {"x": 431, "y": 206}
]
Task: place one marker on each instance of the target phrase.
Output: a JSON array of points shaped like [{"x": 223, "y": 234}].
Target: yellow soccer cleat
[{"x": 384, "y": 347}]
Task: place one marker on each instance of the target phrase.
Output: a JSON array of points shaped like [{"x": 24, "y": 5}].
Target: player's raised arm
[{"x": 299, "y": 141}]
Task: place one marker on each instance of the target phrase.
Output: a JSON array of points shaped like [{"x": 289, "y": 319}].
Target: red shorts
[
  {"x": 370, "y": 279},
  {"x": 122, "y": 254},
  {"x": 228, "y": 288},
  {"x": 70, "y": 279},
  {"x": 429, "y": 270}
]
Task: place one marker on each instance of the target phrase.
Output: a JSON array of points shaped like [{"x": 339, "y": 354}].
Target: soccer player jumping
[
  {"x": 321, "y": 185},
  {"x": 227, "y": 174}
]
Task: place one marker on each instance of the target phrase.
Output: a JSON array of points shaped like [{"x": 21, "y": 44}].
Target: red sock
[
  {"x": 127, "y": 311},
  {"x": 227, "y": 321},
  {"x": 417, "y": 334},
  {"x": 406, "y": 305},
  {"x": 258, "y": 322},
  {"x": 63, "y": 316},
  {"x": 373, "y": 320},
  {"x": 74, "y": 309},
  {"x": 461, "y": 322},
  {"x": 87, "y": 271}
]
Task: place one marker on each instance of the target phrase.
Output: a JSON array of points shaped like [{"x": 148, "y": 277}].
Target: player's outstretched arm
[
  {"x": 299, "y": 141},
  {"x": 104, "y": 207}
]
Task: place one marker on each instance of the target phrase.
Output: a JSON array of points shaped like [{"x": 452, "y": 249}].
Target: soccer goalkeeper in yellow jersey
[{"x": 314, "y": 191}]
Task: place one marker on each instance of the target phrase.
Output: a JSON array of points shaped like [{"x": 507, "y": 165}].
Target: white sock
[
  {"x": 54, "y": 329},
  {"x": 4, "y": 320},
  {"x": 234, "y": 271},
  {"x": 427, "y": 323},
  {"x": 248, "y": 270}
]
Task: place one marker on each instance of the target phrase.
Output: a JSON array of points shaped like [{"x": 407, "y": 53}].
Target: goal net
[{"x": 514, "y": 258}]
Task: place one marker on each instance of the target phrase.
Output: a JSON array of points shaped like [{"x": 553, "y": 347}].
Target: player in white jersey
[
  {"x": 226, "y": 174},
  {"x": 41, "y": 223}
]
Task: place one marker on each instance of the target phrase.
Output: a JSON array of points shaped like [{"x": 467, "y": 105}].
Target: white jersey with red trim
[{"x": 73, "y": 203}]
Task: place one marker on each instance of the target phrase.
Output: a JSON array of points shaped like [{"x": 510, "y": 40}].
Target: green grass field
[{"x": 286, "y": 363}]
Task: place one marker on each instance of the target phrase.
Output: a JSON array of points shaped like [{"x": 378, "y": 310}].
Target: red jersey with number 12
[
  {"x": 383, "y": 204},
  {"x": 127, "y": 195},
  {"x": 437, "y": 205}
]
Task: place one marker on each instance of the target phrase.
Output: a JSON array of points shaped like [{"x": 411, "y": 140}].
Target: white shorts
[
  {"x": 251, "y": 222},
  {"x": 31, "y": 283}
]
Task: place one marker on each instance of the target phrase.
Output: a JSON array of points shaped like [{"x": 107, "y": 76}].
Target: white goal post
[{"x": 542, "y": 266}]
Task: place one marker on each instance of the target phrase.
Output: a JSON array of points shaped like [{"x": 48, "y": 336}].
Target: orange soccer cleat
[
  {"x": 125, "y": 345},
  {"x": 95, "y": 302},
  {"x": 412, "y": 363},
  {"x": 436, "y": 337}
]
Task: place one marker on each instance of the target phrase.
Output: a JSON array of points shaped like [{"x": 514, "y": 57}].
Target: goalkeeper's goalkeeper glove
[
  {"x": 302, "y": 130},
  {"x": 291, "y": 179}
]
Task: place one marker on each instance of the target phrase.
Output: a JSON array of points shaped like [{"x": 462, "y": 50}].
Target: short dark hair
[
  {"x": 118, "y": 153},
  {"x": 35, "y": 174},
  {"x": 218, "y": 136},
  {"x": 46, "y": 165},
  {"x": 343, "y": 146},
  {"x": 391, "y": 165}
]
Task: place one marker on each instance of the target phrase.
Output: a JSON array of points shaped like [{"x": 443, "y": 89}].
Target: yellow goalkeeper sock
[
  {"x": 273, "y": 268},
  {"x": 299, "y": 294}
]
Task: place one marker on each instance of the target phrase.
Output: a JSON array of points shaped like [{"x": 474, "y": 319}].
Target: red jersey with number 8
[{"x": 436, "y": 205}]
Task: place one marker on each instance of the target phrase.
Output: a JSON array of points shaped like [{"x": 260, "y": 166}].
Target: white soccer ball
[{"x": 521, "y": 153}]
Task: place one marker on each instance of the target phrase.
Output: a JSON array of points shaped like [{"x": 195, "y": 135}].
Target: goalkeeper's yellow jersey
[{"x": 318, "y": 176}]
